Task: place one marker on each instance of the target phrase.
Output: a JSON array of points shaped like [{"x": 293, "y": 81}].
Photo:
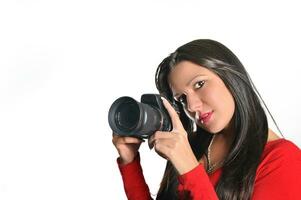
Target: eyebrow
[{"x": 189, "y": 82}]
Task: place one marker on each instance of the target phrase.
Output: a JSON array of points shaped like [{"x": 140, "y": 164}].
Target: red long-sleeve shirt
[{"x": 278, "y": 176}]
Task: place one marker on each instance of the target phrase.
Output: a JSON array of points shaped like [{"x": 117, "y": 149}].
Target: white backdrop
[{"x": 63, "y": 62}]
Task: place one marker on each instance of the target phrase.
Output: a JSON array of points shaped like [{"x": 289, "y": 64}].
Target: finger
[
  {"x": 163, "y": 147},
  {"x": 164, "y": 142},
  {"x": 161, "y": 134},
  {"x": 176, "y": 122},
  {"x": 158, "y": 135},
  {"x": 126, "y": 140},
  {"x": 124, "y": 137}
]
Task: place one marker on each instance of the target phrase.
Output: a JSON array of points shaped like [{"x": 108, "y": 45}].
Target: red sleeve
[
  {"x": 197, "y": 184},
  {"x": 279, "y": 174},
  {"x": 133, "y": 180}
]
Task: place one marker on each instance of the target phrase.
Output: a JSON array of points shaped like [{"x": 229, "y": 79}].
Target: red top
[{"x": 278, "y": 176}]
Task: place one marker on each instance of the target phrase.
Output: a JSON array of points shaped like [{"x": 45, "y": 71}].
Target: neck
[{"x": 221, "y": 145}]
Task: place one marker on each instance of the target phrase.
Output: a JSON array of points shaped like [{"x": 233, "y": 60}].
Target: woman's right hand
[{"x": 127, "y": 147}]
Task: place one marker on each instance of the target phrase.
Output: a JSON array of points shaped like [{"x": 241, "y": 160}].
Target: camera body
[{"x": 127, "y": 117}]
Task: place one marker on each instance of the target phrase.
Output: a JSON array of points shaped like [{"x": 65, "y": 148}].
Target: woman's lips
[{"x": 204, "y": 118}]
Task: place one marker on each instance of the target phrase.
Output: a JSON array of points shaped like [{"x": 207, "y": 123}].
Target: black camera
[{"x": 127, "y": 117}]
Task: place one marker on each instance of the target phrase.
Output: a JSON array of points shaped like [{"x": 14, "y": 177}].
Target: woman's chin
[{"x": 212, "y": 130}]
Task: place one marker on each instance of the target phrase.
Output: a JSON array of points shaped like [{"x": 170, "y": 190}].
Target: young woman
[{"x": 220, "y": 146}]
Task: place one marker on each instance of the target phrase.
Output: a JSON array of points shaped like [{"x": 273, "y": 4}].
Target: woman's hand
[
  {"x": 127, "y": 147},
  {"x": 174, "y": 145}
]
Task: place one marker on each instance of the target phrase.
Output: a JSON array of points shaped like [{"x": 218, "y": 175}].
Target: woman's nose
[{"x": 194, "y": 103}]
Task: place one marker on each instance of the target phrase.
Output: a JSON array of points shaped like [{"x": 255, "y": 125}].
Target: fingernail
[{"x": 163, "y": 99}]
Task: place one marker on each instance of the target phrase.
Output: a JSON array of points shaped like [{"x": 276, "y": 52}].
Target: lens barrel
[{"x": 127, "y": 117}]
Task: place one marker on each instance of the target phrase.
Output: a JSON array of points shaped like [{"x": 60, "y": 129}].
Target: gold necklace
[{"x": 211, "y": 167}]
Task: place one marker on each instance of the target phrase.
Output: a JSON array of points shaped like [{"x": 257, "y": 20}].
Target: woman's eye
[{"x": 199, "y": 84}]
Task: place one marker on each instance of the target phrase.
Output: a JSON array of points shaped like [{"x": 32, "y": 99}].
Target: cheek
[
  {"x": 221, "y": 101},
  {"x": 226, "y": 106},
  {"x": 212, "y": 98}
]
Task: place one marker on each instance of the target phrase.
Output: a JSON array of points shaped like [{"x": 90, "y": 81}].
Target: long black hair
[{"x": 249, "y": 119}]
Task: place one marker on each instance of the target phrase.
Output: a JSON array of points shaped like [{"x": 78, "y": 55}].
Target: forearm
[
  {"x": 196, "y": 182},
  {"x": 133, "y": 180}
]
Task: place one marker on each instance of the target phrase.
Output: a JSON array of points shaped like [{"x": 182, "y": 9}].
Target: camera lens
[
  {"x": 124, "y": 115},
  {"x": 124, "y": 120},
  {"x": 127, "y": 117}
]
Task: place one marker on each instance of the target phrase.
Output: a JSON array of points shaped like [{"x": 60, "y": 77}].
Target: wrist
[
  {"x": 187, "y": 166},
  {"x": 124, "y": 160}
]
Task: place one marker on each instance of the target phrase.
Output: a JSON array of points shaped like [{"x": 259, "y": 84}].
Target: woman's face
[{"x": 204, "y": 95}]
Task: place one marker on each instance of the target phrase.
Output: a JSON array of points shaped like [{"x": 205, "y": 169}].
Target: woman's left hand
[{"x": 174, "y": 145}]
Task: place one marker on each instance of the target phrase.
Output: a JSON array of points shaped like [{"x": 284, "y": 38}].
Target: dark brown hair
[{"x": 249, "y": 119}]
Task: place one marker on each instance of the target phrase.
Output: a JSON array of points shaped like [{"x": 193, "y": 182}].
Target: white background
[{"x": 62, "y": 64}]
